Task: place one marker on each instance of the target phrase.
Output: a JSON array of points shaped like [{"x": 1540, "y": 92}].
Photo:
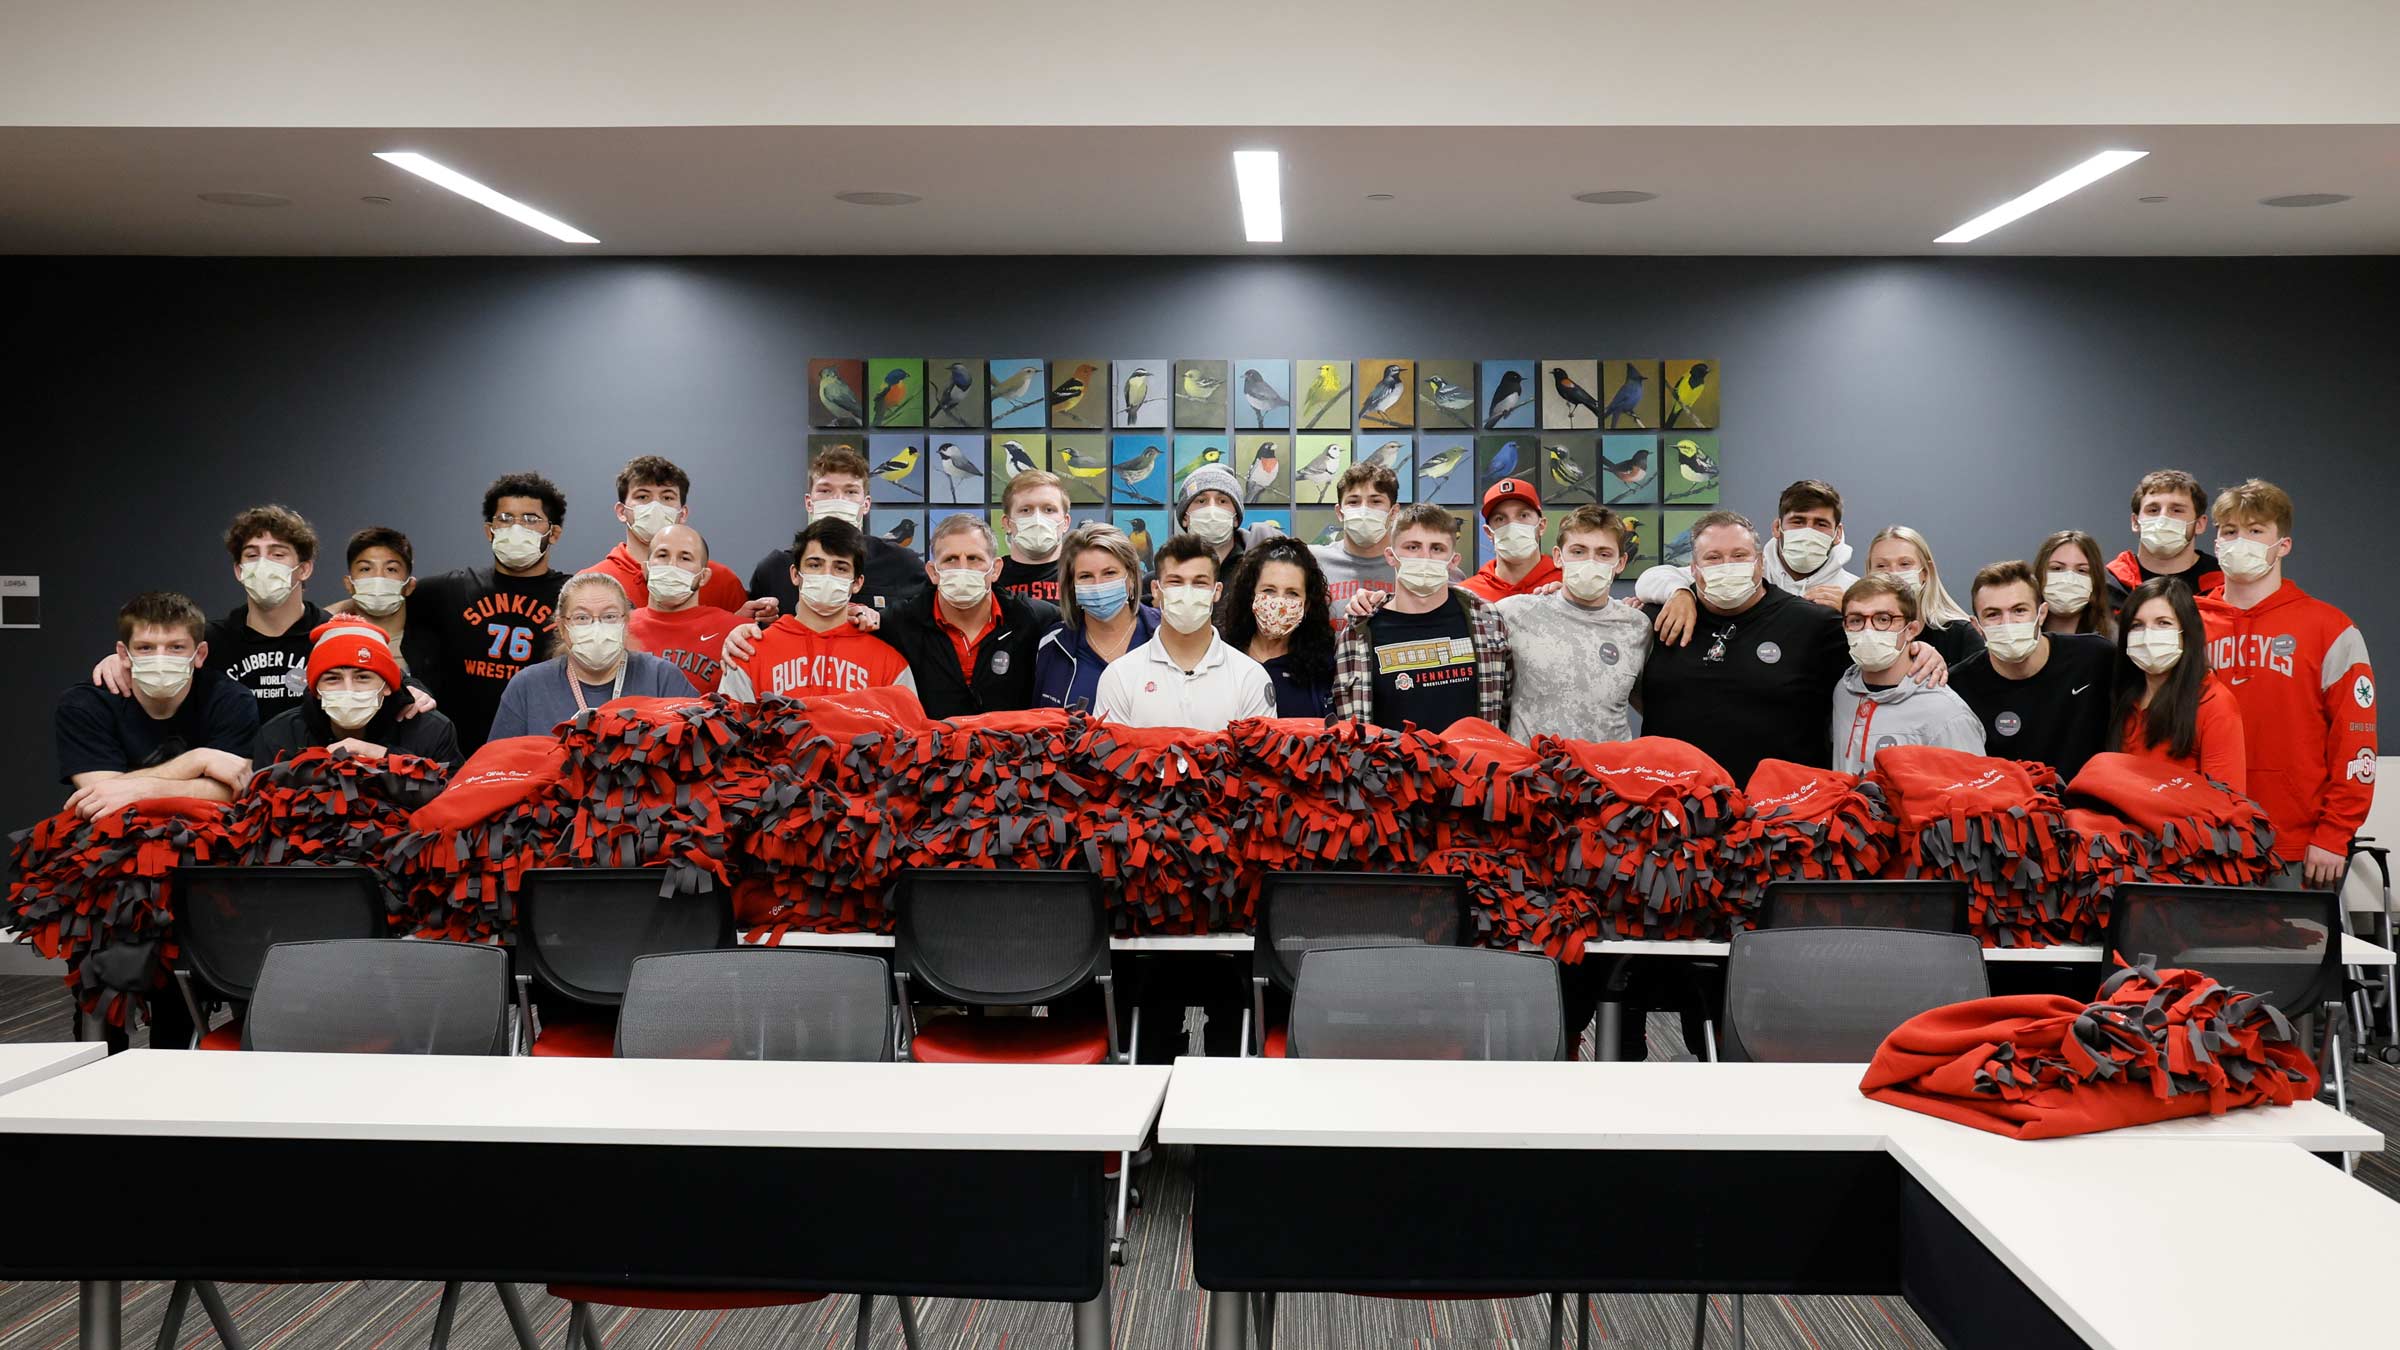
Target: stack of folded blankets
[
  {"x": 1498, "y": 834},
  {"x": 333, "y": 808},
  {"x": 1647, "y": 829},
  {"x": 97, "y": 894},
  {"x": 1808, "y": 824},
  {"x": 994, "y": 791},
  {"x": 650, "y": 780},
  {"x": 468, "y": 850},
  {"x": 2134, "y": 818},
  {"x": 1995, "y": 825},
  {"x": 825, "y": 832},
  {"x": 1345, "y": 796},
  {"x": 1162, "y": 826}
]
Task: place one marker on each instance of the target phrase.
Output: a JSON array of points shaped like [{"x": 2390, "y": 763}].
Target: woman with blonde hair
[
  {"x": 592, "y": 660},
  {"x": 1101, "y": 616},
  {"x": 2069, "y": 567},
  {"x": 1903, "y": 555}
]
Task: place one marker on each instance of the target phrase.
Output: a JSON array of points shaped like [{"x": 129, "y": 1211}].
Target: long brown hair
[
  {"x": 2173, "y": 717},
  {"x": 2096, "y": 616}
]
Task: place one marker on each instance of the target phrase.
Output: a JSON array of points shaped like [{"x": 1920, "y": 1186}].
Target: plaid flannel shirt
[{"x": 1354, "y": 666}]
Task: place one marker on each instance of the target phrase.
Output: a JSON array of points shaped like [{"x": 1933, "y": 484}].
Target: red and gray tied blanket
[
  {"x": 1994, "y": 824},
  {"x": 98, "y": 894}
]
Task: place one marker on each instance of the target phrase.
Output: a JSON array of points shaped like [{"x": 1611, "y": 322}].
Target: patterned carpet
[{"x": 1156, "y": 1306}]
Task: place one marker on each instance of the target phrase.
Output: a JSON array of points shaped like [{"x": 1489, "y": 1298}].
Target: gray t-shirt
[
  {"x": 537, "y": 698},
  {"x": 1346, "y": 574},
  {"x": 1576, "y": 667}
]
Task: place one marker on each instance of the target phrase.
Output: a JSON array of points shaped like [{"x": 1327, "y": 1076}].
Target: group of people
[{"x": 1765, "y": 646}]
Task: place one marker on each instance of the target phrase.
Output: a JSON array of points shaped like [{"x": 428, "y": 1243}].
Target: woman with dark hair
[
  {"x": 2068, "y": 565},
  {"x": 2168, "y": 706},
  {"x": 1275, "y": 610}
]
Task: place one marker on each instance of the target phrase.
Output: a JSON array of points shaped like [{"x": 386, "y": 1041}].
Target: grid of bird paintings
[{"x": 1641, "y": 436}]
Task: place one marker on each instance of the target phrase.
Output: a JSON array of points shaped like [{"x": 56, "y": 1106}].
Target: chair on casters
[
  {"x": 1299, "y": 912},
  {"x": 374, "y": 996},
  {"x": 1926, "y": 904},
  {"x": 1830, "y": 996},
  {"x": 759, "y": 1003},
  {"x": 2383, "y": 986},
  {"x": 1414, "y": 1001},
  {"x": 579, "y": 931},
  {"x": 227, "y": 918}
]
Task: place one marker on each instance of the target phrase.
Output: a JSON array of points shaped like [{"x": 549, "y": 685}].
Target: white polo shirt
[{"x": 1145, "y": 688}]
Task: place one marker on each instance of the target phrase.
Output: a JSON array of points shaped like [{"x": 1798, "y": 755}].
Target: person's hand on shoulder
[
  {"x": 760, "y": 611},
  {"x": 114, "y": 674},
  {"x": 1676, "y": 619},
  {"x": 866, "y": 617},
  {"x": 1927, "y": 667},
  {"x": 418, "y": 702},
  {"x": 1364, "y": 602},
  {"x": 740, "y": 643},
  {"x": 1829, "y": 596}
]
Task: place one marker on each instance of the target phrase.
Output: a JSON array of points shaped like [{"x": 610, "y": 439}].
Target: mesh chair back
[
  {"x": 1417, "y": 1002},
  {"x": 1931, "y": 906},
  {"x": 758, "y": 1003},
  {"x": 1299, "y": 912},
  {"x": 1831, "y": 995},
  {"x": 381, "y": 997},
  {"x": 227, "y": 918},
  {"x": 2284, "y": 946},
  {"x": 581, "y": 929},
  {"x": 998, "y": 937}
]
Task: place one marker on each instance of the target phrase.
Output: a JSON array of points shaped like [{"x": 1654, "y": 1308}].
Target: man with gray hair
[{"x": 969, "y": 647}]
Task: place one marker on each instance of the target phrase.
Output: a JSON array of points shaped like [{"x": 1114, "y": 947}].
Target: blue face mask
[{"x": 1103, "y": 600}]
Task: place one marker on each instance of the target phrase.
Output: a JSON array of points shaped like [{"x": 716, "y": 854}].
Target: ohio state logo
[{"x": 2361, "y": 767}]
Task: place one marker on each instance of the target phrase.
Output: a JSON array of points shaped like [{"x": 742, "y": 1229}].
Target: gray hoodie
[{"x": 1867, "y": 720}]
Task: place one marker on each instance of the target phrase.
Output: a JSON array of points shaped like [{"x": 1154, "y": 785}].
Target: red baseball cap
[{"x": 1506, "y": 489}]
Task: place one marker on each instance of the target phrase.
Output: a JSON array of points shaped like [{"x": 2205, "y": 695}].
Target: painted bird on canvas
[
  {"x": 1212, "y": 455},
  {"x": 955, "y": 466},
  {"x": 1453, "y": 399},
  {"x": 1386, "y": 456},
  {"x": 903, "y": 534},
  {"x": 1018, "y": 390},
  {"x": 898, "y": 466},
  {"x": 1679, "y": 549},
  {"x": 1563, "y": 466},
  {"x": 1632, "y": 471},
  {"x": 894, "y": 394},
  {"x": 1263, "y": 397},
  {"x": 1131, "y": 473},
  {"x": 1322, "y": 469},
  {"x": 1506, "y": 399},
  {"x": 1019, "y": 461},
  {"x": 1380, "y": 399},
  {"x": 1628, "y": 398},
  {"x": 1264, "y": 466},
  {"x": 1633, "y": 540},
  {"x": 1329, "y": 535},
  {"x": 1504, "y": 461},
  {"x": 1199, "y": 386},
  {"x": 839, "y": 398},
  {"x": 1070, "y": 391},
  {"x": 1438, "y": 468},
  {"x": 1573, "y": 395},
  {"x": 1140, "y": 539},
  {"x": 1136, "y": 392},
  {"x": 1694, "y": 466},
  {"x": 1071, "y": 460},
  {"x": 945, "y": 403},
  {"x": 1321, "y": 394},
  {"x": 1683, "y": 396}
]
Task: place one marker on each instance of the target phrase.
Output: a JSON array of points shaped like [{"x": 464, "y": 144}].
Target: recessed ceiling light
[
  {"x": 2305, "y": 199},
  {"x": 1379, "y": 196},
  {"x": 2076, "y": 179},
  {"x": 2149, "y": 199},
  {"x": 443, "y": 175},
  {"x": 1616, "y": 197},
  {"x": 376, "y": 201},
  {"x": 878, "y": 198},
  {"x": 1259, "y": 175},
  {"x": 245, "y": 199}
]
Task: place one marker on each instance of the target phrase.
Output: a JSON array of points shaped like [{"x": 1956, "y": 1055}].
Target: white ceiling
[{"x": 1169, "y": 190}]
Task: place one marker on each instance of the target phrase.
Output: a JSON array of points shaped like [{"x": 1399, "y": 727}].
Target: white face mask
[
  {"x": 2155, "y": 650},
  {"x": 2012, "y": 641},
  {"x": 598, "y": 645},
  {"x": 2066, "y": 592},
  {"x": 1214, "y": 524},
  {"x": 378, "y": 595},
  {"x": 265, "y": 581},
  {"x": 1587, "y": 579},
  {"x": 162, "y": 676},
  {"x": 671, "y": 583},
  {"x": 1728, "y": 584},
  {"x": 1914, "y": 581},
  {"x": 825, "y": 593},
  {"x": 1033, "y": 537},
  {"x": 648, "y": 518},
  {"x": 1424, "y": 576},
  {"x": 2164, "y": 536},
  {"x": 1364, "y": 525},
  {"x": 2245, "y": 559},
  {"x": 1516, "y": 541},
  {"x": 1187, "y": 608},
  {"x": 964, "y": 586},
  {"x": 1872, "y": 650},
  {"x": 516, "y": 546},
  {"x": 350, "y": 709},
  {"x": 1804, "y": 551},
  {"x": 833, "y": 508}
]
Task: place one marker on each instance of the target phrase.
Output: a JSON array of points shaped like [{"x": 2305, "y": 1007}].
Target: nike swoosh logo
[
  {"x": 2077, "y": 690},
  {"x": 2241, "y": 679}
]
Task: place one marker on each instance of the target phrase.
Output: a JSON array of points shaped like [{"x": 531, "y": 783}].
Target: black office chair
[
  {"x": 579, "y": 931},
  {"x": 1300, "y": 912},
  {"x": 228, "y": 918},
  {"x": 1926, "y": 904},
  {"x": 749, "y": 1003},
  {"x": 374, "y": 996},
  {"x": 2382, "y": 983}
]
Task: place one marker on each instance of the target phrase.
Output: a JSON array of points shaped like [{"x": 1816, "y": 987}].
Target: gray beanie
[{"x": 1209, "y": 478}]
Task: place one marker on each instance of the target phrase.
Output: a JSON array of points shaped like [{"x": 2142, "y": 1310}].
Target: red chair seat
[
  {"x": 577, "y": 1040},
  {"x": 679, "y": 1300},
  {"x": 1011, "y": 1040},
  {"x": 1279, "y": 1042},
  {"x": 226, "y": 1037}
]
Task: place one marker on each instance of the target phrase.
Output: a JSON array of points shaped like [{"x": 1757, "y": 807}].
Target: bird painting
[
  {"x": 1214, "y": 454},
  {"x": 1377, "y": 406},
  {"x": 1327, "y": 389},
  {"x": 952, "y": 396},
  {"x": 1440, "y": 466},
  {"x": 896, "y": 469},
  {"x": 1200, "y": 395},
  {"x": 1630, "y": 472},
  {"x": 1679, "y": 550},
  {"x": 1684, "y": 393},
  {"x": 1386, "y": 456},
  {"x": 1627, "y": 401},
  {"x": 1320, "y": 471},
  {"x": 1573, "y": 395},
  {"x": 1067, "y": 396},
  {"x": 1015, "y": 392},
  {"x": 1331, "y": 534},
  {"x": 956, "y": 468},
  {"x": 1633, "y": 537},
  {"x": 1140, "y": 539},
  {"x": 1563, "y": 468},
  {"x": 891, "y": 401},
  {"x": 1020, "y": 460},
  {"x": 904, "y": 533},
  {"x": 838, "y": 399},
  {"x": 1259, "y": 476},
  {"x": 1503, "y": 462},
  {"x": 1696, "y": 469},
  {"x": 1455, "y": 402},
  {"x": 1507, "y": 396},
  {"x": 1134, "y": 395},
  {"x": 1077, "y": 462},
  {"x": 1261, "y": 394},
  {"x": 1132, "y": 473}
]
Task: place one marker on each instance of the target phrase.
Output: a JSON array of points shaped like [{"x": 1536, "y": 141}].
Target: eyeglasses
[
  {"x": 1881, "y": 623},
  {"x": 589, "y": 620},
  {"x": 529, "y": 520}
]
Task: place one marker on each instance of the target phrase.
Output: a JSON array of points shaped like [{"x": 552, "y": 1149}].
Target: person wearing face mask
[
  {"x": 969, "y": 646},
  {"x": 1033, "y": 509},
  {"x": 352, "y": 677},
  {"x": 837, "y": 490},
  {"x": 182, "y": 730},
  {"x": 1187, "y": 674},
  {"x": 1357, "y": 562},
  {"x": 653, "y": 493},
  {"x": 2170, "y": 520},
  {"x": 1275, "y": 610},
  {"x": 1209, "y": 505},
  {"x": 818, "y": 648},
  {"x": 2041, "y": 696},
  {"x": 2068, "y": 564},
  {"x": 1099, "y": 621},
  {"x": 2298, "y": 670},
  {"x": 263, "y": 646},
  {"x": 381, "y": 574},
  {"x": 1757, "y": 678},
  {"x": 1806, "y": 558},
  {"x": 487, "y": 624},
  {"x": 2167, "y": 705},
  {"x": 1877, "y": 704},
  {"x": 1578, "y": 653},
  {"x": 1904, "y": 556},
  {"x": 675, "y": 627},
  {"x": 1512, "y": 516},
  {"x": 592, "y": 661},
  {"x": 1437, "y": 653}
]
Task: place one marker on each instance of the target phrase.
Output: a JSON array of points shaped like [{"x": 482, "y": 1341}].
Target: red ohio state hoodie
[{"x": 2298, "y": 668}]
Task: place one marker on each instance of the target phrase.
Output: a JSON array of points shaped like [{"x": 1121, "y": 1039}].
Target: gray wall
[{"x": 1986, "y": 402}]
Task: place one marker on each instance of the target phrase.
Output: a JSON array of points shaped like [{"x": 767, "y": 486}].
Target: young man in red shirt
[
  {"x": 651, "y": 495},
  {"x": 816, "y": 649},
  {"x": 1512, "y": 516},
  {"x": 2299, "y": 670},
  {"x": 675, "y": 627},
  {"x": 2170, "y": 518}
]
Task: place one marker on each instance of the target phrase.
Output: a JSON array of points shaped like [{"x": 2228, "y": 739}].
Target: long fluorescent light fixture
[
  {"x": 444, "y": 176},
  {"x": 2081, "y": 176},
  {"x": 1259, "y": 173}
]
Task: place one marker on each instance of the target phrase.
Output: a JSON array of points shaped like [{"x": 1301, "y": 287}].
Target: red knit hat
[{"x": 351, "y": 644}]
